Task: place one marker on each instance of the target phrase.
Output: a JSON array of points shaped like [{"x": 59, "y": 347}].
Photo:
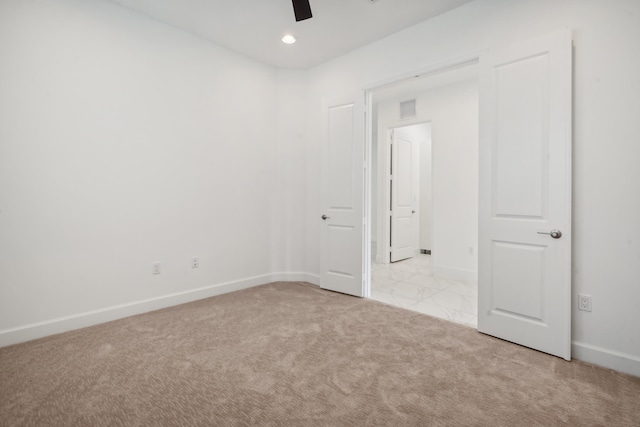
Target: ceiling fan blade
[{"x": 302, "y": 9}]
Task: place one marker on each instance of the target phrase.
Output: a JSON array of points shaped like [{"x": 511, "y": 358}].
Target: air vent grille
[{"x": 408, "y": 109}]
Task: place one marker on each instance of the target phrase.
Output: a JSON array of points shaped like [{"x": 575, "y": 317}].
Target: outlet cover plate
[{"x": 584, "y": 302}]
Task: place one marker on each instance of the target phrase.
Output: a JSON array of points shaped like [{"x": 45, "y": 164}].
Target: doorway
[
  {"x": 424, "y": 195},
  {"x": 405, "y": 208},
  {"x": 523, "y": 175}
]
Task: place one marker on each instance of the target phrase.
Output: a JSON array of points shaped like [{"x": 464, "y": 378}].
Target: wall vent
[{"x": 408, "y": 109}]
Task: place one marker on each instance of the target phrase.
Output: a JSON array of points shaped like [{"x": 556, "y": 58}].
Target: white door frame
[
  {"x": 552, "y": 44},
  {"x": 383, "y": 231},
  {"x": 436, "y": 68}
]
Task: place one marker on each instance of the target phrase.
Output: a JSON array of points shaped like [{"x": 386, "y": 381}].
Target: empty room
[{"x": 203, "y": 222}]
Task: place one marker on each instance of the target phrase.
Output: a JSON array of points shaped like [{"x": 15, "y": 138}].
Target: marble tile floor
[{"x": 410, "y": 284}]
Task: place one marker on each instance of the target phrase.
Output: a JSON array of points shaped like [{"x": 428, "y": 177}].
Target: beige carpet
[{"x": 290, "y": 354}]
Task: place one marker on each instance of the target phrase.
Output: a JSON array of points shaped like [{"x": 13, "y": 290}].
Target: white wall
[
  {"x": 123, "y": 142},
  {"x": 289, "y": 196},
  {"x": 606, "y": 249},
  {"x": 452, "y": 112}
]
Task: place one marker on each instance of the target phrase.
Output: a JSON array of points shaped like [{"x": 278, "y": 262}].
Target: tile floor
[{"x": 410, "y": 284}]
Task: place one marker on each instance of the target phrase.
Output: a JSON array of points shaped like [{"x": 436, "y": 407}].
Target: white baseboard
[
  {"x": 622, "y": 362},
  {"x": 464, "y": 276},
  {"x": 314, "y": 279},
  {"x": 90, "y": 318},
  {"x": 618, "y": 361}
]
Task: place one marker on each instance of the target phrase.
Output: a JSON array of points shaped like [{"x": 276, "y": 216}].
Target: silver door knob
[
  {"x": 556, "y": 234},
  {"x": 324, "y": 217}
]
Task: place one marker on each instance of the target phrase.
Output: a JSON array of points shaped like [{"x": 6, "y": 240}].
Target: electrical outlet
[
  {"x": 584, "y": 302},
  {"x": 195, "y": 262},
  {"x": 155, "y": 268}
]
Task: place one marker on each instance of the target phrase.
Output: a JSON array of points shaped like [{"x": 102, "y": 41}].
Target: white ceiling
[{"x": 255, "y": 27}]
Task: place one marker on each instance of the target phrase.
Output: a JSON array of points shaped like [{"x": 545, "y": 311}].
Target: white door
[
  {"x": 403, "y": 231},
  {"x": 524, "y": 272},
  {"x": 342, "y": 196}
]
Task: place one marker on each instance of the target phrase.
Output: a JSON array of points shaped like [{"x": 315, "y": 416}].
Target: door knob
[
  {"x": 413, "y": 211},
  {"x": 556, "y": 234},
  {"x": 324, "y": 217}
]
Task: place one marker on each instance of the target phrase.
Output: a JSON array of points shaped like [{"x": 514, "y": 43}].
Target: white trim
[
  {"x": 94, "y": 317},
  {"x": 296, "y": 276},
  {"x": 466, "y": 276},
  {"x": 622, "y": 362},
  {"x": 434, "y": 68},
  {"x": 368, "y": 207}
]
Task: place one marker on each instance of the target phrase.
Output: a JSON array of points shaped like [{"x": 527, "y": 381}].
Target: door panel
[
  {"x": 340, "y": 146},
  {"x": 402, "y": 237},
  {"x": 520, "y": 141},
  {"x": 524, "y": 300},
  {"x": 524, "y": 277},
  {"x": 342, "y": 196}
]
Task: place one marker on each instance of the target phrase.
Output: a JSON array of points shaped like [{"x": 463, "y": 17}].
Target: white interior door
[
  {"x": 403, "y": 232},
  {"x": 524, "y": 274},
  {"x": 342, "y": 196}
]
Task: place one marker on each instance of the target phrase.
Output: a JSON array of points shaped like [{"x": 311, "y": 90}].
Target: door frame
[
  {"x": 555, "y": 44},
  {"x": 436, "y": 68},
  {"x": 384, "y": 158}
]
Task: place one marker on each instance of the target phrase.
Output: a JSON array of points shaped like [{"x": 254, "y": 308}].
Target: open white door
[
  {"x": 402, "y": 197},
  {"x": 524, "y": 272},
  {"x": 342, "y": 196}
]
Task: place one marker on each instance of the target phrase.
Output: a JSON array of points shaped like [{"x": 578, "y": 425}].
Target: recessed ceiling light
[{"x": 288, "y": 39}]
